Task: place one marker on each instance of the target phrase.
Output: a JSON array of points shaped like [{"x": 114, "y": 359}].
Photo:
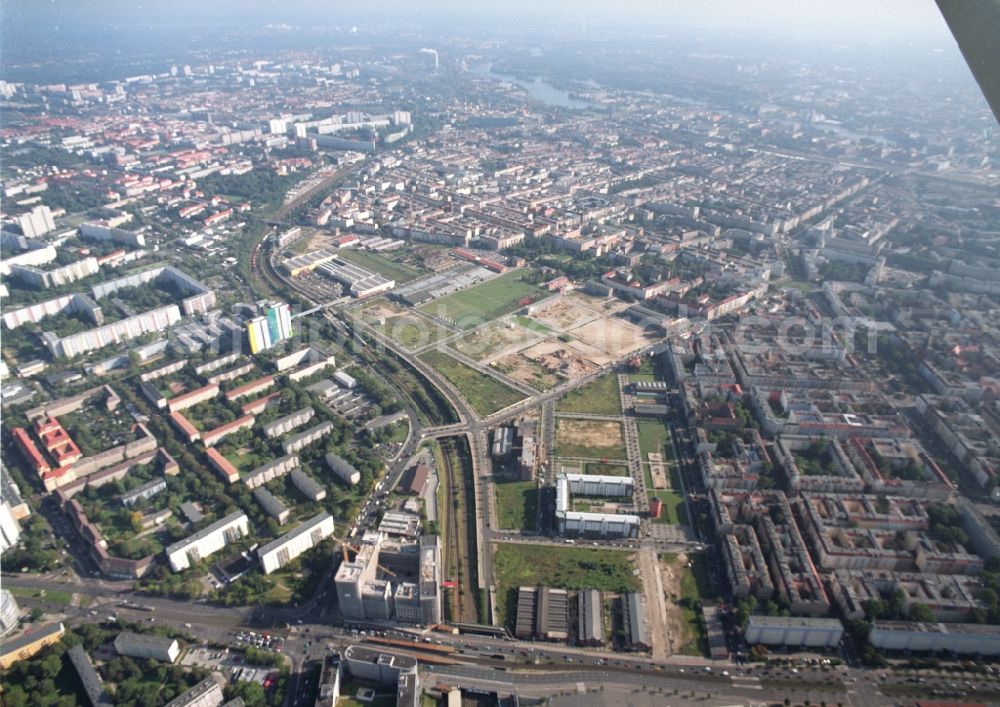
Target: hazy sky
[{"x": 889, "y": 20}]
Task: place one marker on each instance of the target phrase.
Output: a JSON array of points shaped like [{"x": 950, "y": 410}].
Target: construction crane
[{"x": 345, "y": 546}]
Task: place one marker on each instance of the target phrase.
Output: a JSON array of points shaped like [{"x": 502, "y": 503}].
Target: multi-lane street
[{"x": 511, "y": 666}]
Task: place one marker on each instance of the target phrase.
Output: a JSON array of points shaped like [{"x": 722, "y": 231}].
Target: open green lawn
[
  {"x": 278, "y": 594},
  {"x": 599, "y": 397},
  {"x": 52, "y": 596},
  {"x": 602, "y": 469},
  {"x": 484, "y": 394},
  {"x": 559, "y": 567},
  {"x": 246, "y": 462},
  {"x": 653, "y": 437},
  {"x": 301, "y": 246},
  {"x": 412, "y": 332},
  {"x": 798, "y": 285},
  {"x": 487, "y": 301},
  {"x": 400, "y": 432},
  {"x": 529, "y": 323},
  {"x": 380, "y": 264},
  {"x": 674, "y": 510},
  {"x": 517, "y": 504}
]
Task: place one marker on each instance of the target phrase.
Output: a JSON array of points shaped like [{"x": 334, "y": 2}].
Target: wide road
[{"x": 549, "y": 667}]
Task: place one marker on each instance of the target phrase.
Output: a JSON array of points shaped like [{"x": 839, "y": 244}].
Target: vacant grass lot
[
  {"x": 653, "y": 436},
  {"x": 412, "y": 332},
  {"x": 380, "y": 264},
  {"x": 484, "y": 394},
  {"x": 517, "y": 504},
  {"x": 559, "y": 567},
  {"x": 52, "y": 596},
  {"x": 601, "y": 469},
  {"x": 674, "y": 510},
  {"x": 696, "y": 588},
  {"x": 599, "y": 397},
  {"x": 487, "y": 301},
  {"x": 532, "y": 324}
]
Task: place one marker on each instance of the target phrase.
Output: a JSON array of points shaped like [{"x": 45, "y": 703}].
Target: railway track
[
  {"x": 452, "y": 535},
  {"x": 460, "y": 563}
]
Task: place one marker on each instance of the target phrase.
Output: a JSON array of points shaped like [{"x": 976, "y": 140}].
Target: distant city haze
[{"x": 883, "y": 20}]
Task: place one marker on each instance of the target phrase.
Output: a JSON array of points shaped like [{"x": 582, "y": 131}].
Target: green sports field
[{"x": 487, "y": 301}]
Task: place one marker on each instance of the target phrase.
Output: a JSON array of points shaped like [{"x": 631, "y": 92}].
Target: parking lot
[
  {"x": 263, "y": 641},
  {"x": 231, "y": 665}
]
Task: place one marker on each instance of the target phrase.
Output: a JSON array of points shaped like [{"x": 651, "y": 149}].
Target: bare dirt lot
[
  {"x": 496, "y": 340},
  {"x": 526, "y": 371},
  {"x": 565, "y": 313},
  {"x": 380, "y": 311},
  {"x": 558, "y": 357},
  {"x": 613, "y": 336},
  {"x": 589, "y": 438}
]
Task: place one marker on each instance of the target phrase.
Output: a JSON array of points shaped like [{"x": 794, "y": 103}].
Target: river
[{"x": 537, "y": 88}]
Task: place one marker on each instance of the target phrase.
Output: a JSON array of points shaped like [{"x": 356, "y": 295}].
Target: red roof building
[
  {"x": 185, "y": 427},
  {"x": 57, "y": 441},
  {"x": 189, "y": 399},
  {"x": 58, "y": 477},
  {"x": 30, "y": 451},
  {"x": 415, "y": 481},
  {"x": 227, "y": 471},
  {"x": 250, "y": 388},
  {"x": 256, "y": 406},
  {"x": 211, "y": 437}
]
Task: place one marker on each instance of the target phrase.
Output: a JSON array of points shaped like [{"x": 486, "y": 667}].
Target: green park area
[
  {"x": 653, "y": 438},
  {"x": 50, "y": 596},
  {"x": 532, "y": 324},
  {"x": 517, "y": 504},
  {"x": 599, "y": 397},
  {"x": 602, "y": 469},
  {"x": 485, "y": 394},
  {"x": 487, "y": 301},
  {"x": 561, "y": 568},
  {"x": 674, "y": 510},
  {"x": 411, "y": 332}
]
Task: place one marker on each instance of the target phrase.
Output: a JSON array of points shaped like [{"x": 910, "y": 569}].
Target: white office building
[
  {"x": 592, "y": 525},
  {"x": 207, "y": 541},
  {"x": 10, "y": 612},
  {"x": 343, "y": 468},
  {"x": 10, "y": 530},
  {"x": 280, "y": 552},
  {"x": 596, "y": 485},
  {"x": 139, "y": 645},
  {"x": 794, "y": 632}
]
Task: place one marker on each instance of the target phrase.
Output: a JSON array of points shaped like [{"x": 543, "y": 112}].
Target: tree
[
  {"x": 921, "y": 612},
  {"x": 16, "y": 697},
  {"x": 252, "y": 693},
  {"x": 49, "y": 666}
]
